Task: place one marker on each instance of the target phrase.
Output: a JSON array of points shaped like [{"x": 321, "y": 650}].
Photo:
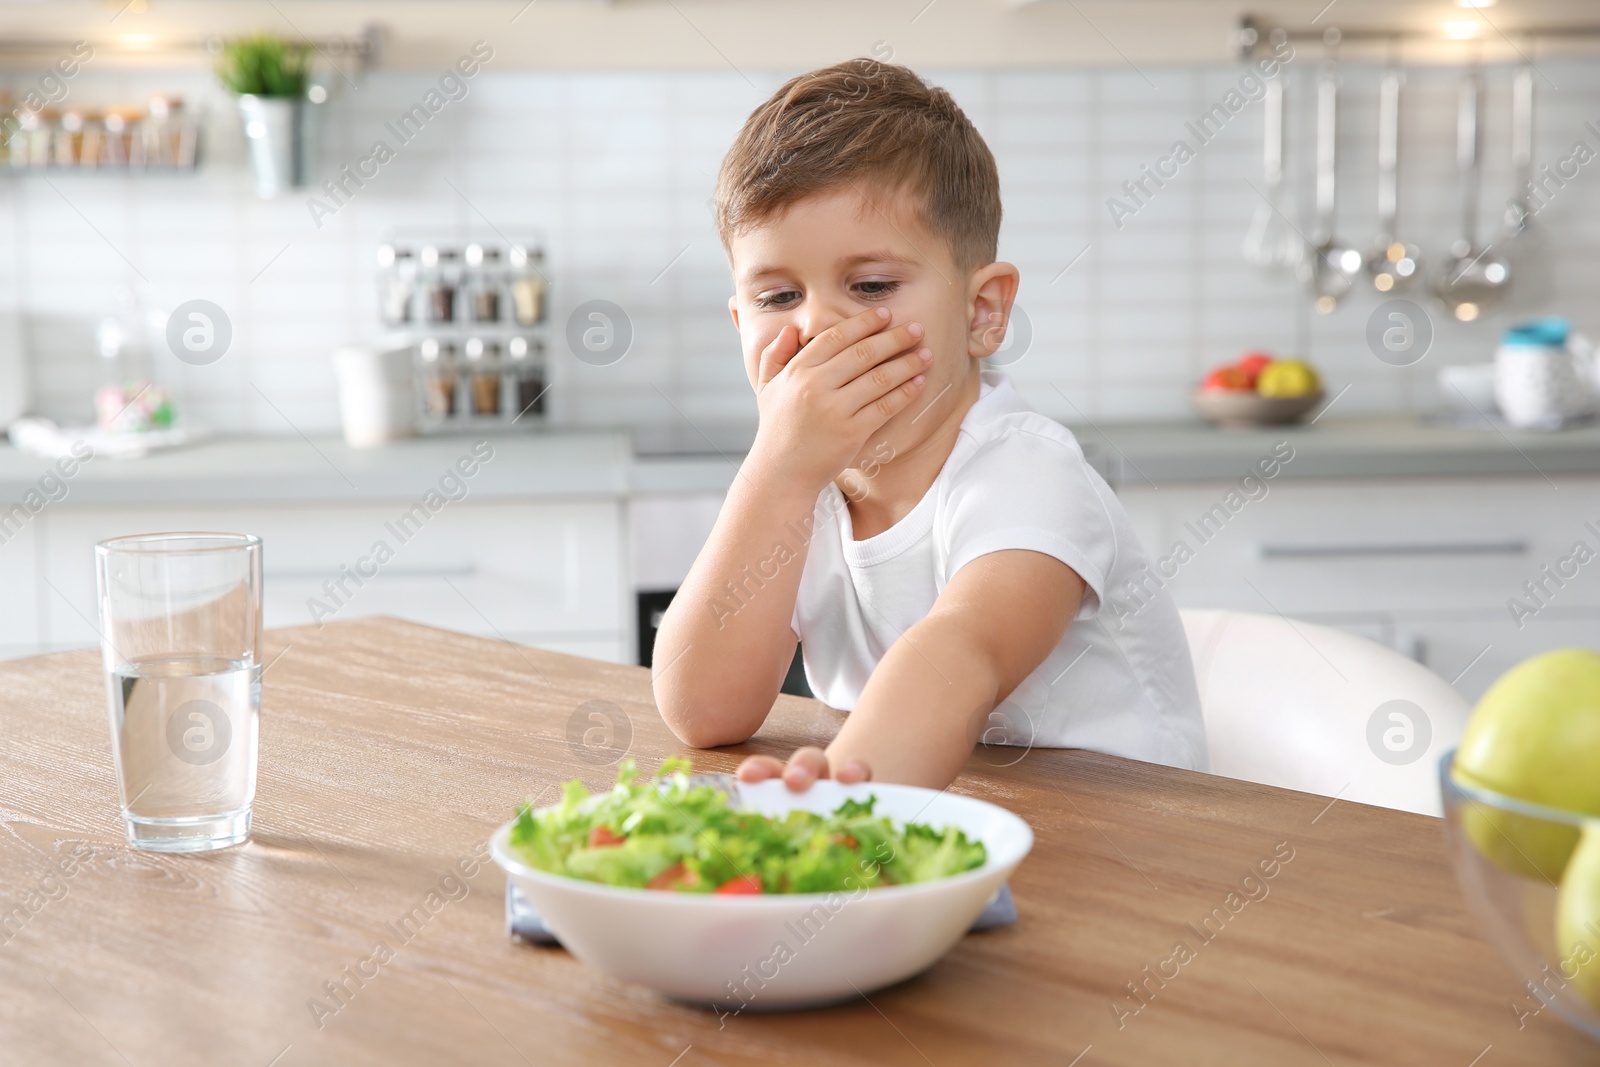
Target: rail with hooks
[
  {"x": 364, "y": 49},
  {"x": 1255, "y": 34}
]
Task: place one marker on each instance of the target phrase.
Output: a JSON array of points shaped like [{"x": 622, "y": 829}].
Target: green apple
[
  {"x": 1578, "y": 918},
  {"x": 1534, "y": 736}
]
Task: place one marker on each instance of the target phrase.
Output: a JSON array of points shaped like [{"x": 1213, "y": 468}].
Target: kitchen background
[
  {"x": 615, "y": 168},
  {"x": 597, "y": 130}
]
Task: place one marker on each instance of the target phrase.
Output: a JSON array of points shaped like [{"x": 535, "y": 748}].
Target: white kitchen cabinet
[
  {"x": 1356, "y": 546},
  {"x": 19, "y": 590},
  {"x": 545, "y": 574},
  {"x": 1473, "y": 652},
  {"x": 667, "y": 533},
  {"x": 1426, "y": 567}
]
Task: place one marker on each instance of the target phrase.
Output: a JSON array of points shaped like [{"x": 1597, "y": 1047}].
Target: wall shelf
[{"x": 363, "y": 50}]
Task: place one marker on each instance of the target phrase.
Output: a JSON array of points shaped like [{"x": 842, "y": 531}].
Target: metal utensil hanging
[
  {"x": 1271, "y": 243},
  {"x": 1475, "y": 278},
  {"x": 1332, "y": 266},
  {"x": 1518, "y": 211},
  {"x": 1392, "y": 264}
]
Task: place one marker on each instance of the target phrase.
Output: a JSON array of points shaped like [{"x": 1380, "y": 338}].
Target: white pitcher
[{"x": 1544, "y": 376}]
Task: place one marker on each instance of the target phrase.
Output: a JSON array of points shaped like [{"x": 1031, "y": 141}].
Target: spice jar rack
[
  {"x": 159, "y": 135},
  {"x": 474, "y": 316}
]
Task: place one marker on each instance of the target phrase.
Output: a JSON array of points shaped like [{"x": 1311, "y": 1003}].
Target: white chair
[{"x": 1306, "y": 707}]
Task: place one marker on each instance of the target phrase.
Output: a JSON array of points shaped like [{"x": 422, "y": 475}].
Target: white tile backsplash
[{"x": 616, "y": 168}]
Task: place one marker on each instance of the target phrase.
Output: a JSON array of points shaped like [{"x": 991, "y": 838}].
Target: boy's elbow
[
  {"x": 700, "y": 735},
  {"x": 697, "y": 730},
  {"x": 697, "y": 733}
]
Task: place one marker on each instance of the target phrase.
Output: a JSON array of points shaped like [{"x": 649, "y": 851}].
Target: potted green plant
[{"x": 272, "y": 79}]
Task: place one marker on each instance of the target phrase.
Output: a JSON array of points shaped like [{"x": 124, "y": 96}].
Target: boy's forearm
[
  {"x": 725, "y": 642},
  {"x": 924, "y": 707}
]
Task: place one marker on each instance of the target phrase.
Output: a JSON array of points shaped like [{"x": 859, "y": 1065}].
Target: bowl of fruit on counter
[{"x": 1258, "y": 389}]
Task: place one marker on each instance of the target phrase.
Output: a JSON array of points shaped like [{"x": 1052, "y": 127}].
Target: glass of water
[{"x": 180, "y": 625}]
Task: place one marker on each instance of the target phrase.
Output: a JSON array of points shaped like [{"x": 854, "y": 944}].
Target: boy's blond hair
[{"x": 877, "y": 127}]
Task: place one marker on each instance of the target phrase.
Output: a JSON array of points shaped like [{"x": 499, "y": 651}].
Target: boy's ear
[
  {"x": 733, "y": 309},
  {"x": 990, "y": 294}
]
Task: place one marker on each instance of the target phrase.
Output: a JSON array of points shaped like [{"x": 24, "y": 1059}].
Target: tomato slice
[
  {"x": 675, "y": 877},
  {"x": 603, "y": 835},
  {"x": 743, "y": 885}
]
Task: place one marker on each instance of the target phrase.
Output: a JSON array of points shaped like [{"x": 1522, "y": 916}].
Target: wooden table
[{"x": 391, "y": 750}]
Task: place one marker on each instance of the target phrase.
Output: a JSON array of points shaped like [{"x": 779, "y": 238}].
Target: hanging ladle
[
  {"x": 1393, "y": 265},
  {"x": 1474, "y": 279},
  {"x": 1271, "y": 242},
  {"x": 1518, "y": 211},
  {"x": 1333, "y": 265}
]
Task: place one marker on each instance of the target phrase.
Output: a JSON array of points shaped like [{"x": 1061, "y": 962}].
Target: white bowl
[{"x": 782, "y": 950}]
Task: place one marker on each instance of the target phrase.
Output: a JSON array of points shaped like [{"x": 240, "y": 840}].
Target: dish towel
[{"x": 524, "y": 924}]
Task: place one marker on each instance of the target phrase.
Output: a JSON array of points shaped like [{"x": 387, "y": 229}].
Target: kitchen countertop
[
  {"x": 390, "y": 750},
  {"x": 614, "y": 463},
  {"x": 565, "y": 464},
  {"x": 1389, "y": 447}
]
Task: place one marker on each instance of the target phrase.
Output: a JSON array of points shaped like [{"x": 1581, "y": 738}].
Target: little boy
[{"x": 940, "y": 550}]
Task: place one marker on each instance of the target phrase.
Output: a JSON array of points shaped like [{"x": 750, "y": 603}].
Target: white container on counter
[
  {"x": 1544, "y": 386},
  {"x": 377, "y": 402}
]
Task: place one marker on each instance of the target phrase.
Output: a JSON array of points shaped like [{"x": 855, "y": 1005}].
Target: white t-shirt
[{"x": 1014, "y": 480}]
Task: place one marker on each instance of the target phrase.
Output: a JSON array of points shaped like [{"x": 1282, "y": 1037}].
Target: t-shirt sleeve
[{"x": 1033, "y": 491}]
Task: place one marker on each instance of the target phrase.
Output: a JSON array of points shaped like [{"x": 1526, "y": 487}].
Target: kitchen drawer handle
[{"x": 1421, "y": 548}]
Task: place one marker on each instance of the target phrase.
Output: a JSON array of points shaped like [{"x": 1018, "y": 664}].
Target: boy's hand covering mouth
[
  {"x": 819, "y": 404},
  {"x": 807, "y": 765}
]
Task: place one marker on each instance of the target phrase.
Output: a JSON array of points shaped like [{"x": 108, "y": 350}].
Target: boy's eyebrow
[{"x": 882, "y": 255}]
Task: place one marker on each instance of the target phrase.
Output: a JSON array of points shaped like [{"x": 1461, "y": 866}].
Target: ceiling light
[
  {"x": 1475, "y": 3},
  {"x": 1464, "y": 30}
]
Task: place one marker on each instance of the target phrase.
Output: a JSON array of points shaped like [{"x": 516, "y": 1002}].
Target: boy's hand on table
[
  {"x": 819, "y": 404},
  {"x": 807, "y": 765}
]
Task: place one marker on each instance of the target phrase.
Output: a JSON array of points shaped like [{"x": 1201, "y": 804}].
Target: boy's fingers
[
  {"x": 759, "y": 769},
  {"x": 852, "y": 771},
  {"x": 777, "y": 355},
  {"x": 861, "y": 357},
  {"x": 805, "y": 766},
  {"x": 841, "y": 335},
  {"x": 879, "y": 411},
  {"x": 882, "y": 379}
]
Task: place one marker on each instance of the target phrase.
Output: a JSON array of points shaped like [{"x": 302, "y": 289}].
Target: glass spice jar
[
  {"x": 119, "y": 123},
  {"x": 527, "y": 286},
  {"x": 526, "y": 376},
  {"x": 438, "y": 372},
  {"x": 483, "y": 375},
  {"x": 37, "y": 127},
  {"x": 92, "y": 153},
  {"x": 69, "y": 139},
  {"x": 442, "y": 276},
  {"x": 486, "y": 283},
  {"x": 397, "y": 284}
]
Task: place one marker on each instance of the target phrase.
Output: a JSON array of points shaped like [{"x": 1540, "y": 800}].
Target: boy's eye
[
  {"x": 876, "y": 289},
  {"x": 776, "y": 298}
]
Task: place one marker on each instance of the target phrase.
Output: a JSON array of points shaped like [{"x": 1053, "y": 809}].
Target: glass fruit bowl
[{"x": 1531, "y": 877}]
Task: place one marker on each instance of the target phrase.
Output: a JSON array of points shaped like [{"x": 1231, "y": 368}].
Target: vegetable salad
[{"x": 667, "y": 833}]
